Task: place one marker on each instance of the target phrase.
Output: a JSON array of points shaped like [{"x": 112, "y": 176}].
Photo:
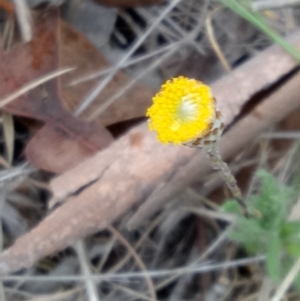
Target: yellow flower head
[{"x": 182, "y": 110}]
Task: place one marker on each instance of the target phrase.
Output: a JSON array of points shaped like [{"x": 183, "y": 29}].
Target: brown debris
[
  {"x": 155, "y": 174},
  {"x": 136, "y": 168},
  {"x": 76, "y": 50},
  {"x": 64, "y": 141},
  {"x": 7, "y": 6},
  {"x": 24, "y": 63}
]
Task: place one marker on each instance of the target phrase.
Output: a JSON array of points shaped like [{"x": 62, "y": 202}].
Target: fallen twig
[{"x": 24, "y": 19}]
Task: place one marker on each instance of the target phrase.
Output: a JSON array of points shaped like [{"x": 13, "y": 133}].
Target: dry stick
[
  {"x": 24, "y": 19},
  {"x": 122, "y": 262},
  {"x": 213, "y": 41},
  {"x": 156, "y": 274},
  {"x": 281, "y": 290},
  {"x": 2, "y": 202},
  {"x": 91, "y": 287},
  {"x": 8, "y": 32},
  {"x": 211, "y": 248},
  {"x": 132, "y": 61},
  {"x": 64, "y": 295},
  {"x": 9, "y": 136},
  {"x": 102, "y": 84},
  {"x": 287, "y": 281},
  {"x": 151, "y": 67},
  {"x": 109, "y": 247},
  {"x": 266, "y": 289},
  {"x": 32, "y": 85},
  {"x": 229, "y": 218},
  {"x": 129, "y": 291},
  {"x": 137, "y": 258},
  {"x": 129, "y": 85}
]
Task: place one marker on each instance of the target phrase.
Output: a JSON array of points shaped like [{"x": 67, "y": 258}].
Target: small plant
[
  {"x": 184, "y": 111},
  {"x": 268, "y": 230}
]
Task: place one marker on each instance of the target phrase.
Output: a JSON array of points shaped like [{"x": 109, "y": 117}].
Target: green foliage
[
  {"x": 273, "y": 255},
  {"x": 242, "y": 8},
  {"x": 268, "y": 231}
]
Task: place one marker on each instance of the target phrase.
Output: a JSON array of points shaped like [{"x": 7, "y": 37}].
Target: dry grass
[{"x": 182, "y": 254}]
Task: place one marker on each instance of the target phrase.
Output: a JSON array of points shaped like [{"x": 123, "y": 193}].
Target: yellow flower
[{"x": 183, "y": 110}]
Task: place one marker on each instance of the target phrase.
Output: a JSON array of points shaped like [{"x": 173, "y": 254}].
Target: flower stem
[{"x": 218, "y": 164}]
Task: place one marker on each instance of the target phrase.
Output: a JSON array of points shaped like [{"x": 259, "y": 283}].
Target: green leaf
[
  {"x": 290, "y": 229},
  {"x": 231, "y": 206},
  {"x": 273, "y": 258},
  {"x": 293, "y": 248},
  {"x": 250, "y": 235},
  {"x": 267, "y": 230},
  {"x": 273, "y": 202}
]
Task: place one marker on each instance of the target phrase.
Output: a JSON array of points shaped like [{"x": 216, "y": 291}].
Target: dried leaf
[
  {"x": 76, "y": 50},
  {"x": 7, "y": 6},
  {"x": 67, "y": 150},
  {"x": 22, "y": 64}
]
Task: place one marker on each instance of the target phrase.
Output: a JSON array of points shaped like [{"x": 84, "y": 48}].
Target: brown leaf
[
  {"x": 62, "y": 150},
  {"x": 22, "y": 64},
  {"x": 7, "y": 6},
  {"x": 76, "y": 50}
]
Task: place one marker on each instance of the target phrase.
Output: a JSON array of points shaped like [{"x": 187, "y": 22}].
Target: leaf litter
[
  {"x": 33, "y": 60},
  {"x": 170, "y": 240}
]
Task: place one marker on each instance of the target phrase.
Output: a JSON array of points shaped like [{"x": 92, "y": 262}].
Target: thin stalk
[{"x": 217, "y": 163}]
